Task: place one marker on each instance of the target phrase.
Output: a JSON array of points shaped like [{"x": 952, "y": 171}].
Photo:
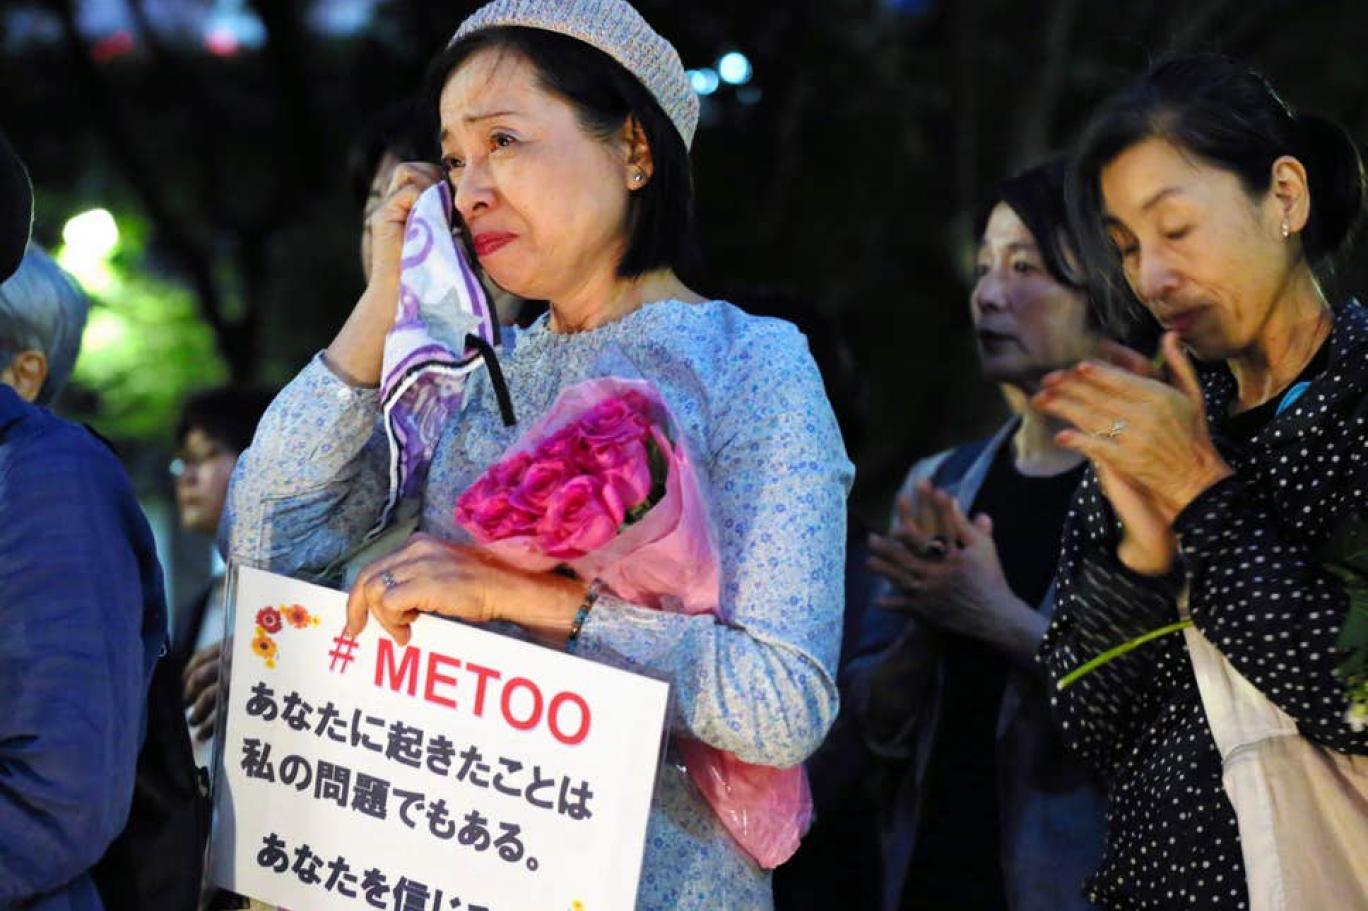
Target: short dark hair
[
  {"x": 16, "y": 209},
  {"x": 660, "y": 219},
  {"x": 1226, "y": 114},
  {"x": 1036, "y": 195},
  {"x": 228, "y": 416},
  {"x": 400, "y": 129}
]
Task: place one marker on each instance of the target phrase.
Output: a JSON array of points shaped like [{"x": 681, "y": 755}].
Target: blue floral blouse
[{"x": 746, "y": 391}]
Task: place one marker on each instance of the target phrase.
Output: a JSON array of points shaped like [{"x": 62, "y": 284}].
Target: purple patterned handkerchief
[{"x": 427, "y": 357}]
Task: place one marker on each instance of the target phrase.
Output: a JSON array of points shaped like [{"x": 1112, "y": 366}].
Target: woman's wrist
[
  {"x": 591, "y": 596},
  {"x": 1155, "y": 559},
  {"x": 1193, "y": 484},
  {"x": 1019, "y": 636},
  {"x": 548, "y": 609},
  {"x": 338, "y": 371}
]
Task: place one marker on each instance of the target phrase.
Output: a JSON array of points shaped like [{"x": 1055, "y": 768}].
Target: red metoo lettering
[
  {"x": 435, "y": 677},
  {"x": 384, "y": 666},
  {"x": 484, "y": 674},
  {"x": 506, "y": 703},
  {"x": 521, "y": 702},
  {"x": 553, "y": 718}
]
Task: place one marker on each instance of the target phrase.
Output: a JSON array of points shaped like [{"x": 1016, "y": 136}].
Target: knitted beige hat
[{"x": 617, "y": 29}]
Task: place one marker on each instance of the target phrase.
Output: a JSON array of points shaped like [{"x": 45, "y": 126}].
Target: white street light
[
  {"x": 87, "y": 241},
  {"x": 91, "y": 235},
  {"x": 734, "y": 68}
]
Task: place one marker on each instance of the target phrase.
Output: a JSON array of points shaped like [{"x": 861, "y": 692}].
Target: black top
[
  {"x": 1242, "y": 427},
  {"x": 1173, "y": 841},
  {"x": 957, "y": 863}
]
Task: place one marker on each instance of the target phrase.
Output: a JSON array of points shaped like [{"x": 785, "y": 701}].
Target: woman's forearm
[
  {"x": 357, "y": 352},
  {"x": 1020, "y": 634}
]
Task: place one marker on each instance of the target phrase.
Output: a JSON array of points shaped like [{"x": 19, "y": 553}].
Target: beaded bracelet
[{"x": 590, "y": 597}]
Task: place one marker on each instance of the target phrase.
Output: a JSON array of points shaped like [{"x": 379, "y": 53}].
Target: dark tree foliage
[{"x": 845, "y": 184}]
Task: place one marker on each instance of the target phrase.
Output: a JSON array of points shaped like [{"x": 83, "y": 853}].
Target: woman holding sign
[{"x": 564, "y": 131}]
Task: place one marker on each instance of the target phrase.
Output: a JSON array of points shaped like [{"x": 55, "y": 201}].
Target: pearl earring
[
  {"x": 1286, "y": 229},
  {"x": 638, "y": 177}
]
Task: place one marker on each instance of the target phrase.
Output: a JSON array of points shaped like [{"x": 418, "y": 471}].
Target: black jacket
[{"x": 1255, "y": 592}]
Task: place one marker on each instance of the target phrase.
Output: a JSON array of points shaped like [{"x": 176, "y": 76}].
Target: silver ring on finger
[
  {"x": 387, "y": 579},
  {"x": 1117, "y": 427}
]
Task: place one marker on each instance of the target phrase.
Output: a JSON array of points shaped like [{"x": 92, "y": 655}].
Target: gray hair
[{"x": 42, "y": 309}]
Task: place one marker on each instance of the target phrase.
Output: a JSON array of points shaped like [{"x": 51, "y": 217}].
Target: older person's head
[
  {"x": 1200, "y": 195},
  {"x": 564, "y": 130},
  {"x": 1029, "y": 305},
  {"x": 42, "y": 314}
]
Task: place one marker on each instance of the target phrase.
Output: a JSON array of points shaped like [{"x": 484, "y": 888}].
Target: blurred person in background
[
  {"x": 1205, "y": 204},
  {"x": 81, "y": 606},
  {"x": 395, "y": 135},
  {"x": 214, "y": 428},
  {"x": 985, "y": 809}
]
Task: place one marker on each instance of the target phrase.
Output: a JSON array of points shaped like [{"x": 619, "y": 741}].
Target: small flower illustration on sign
[
  {"x": 264, "y": 647},
  {"x": 268, "y": 618},
  {"x": 298, "y": 616},
  {"x": 270, "y": 621}
]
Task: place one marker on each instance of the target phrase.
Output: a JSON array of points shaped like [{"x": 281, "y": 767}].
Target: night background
[{"x": 835, "y": 177}]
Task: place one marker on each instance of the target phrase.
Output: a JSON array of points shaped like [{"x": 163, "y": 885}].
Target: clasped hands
[
  {"x": 1147, "y": 437},
  {"x": 948, "y": 575}
]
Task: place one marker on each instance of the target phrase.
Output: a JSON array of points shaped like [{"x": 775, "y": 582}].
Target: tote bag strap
[
  {"x": 1238, "y": 714},
  {"x": 1302, "y": 809}
]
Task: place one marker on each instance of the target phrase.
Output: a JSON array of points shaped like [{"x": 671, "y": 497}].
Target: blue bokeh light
[
  {"x": 704, "y": 81},
  {"x": 734, "y": 68}
]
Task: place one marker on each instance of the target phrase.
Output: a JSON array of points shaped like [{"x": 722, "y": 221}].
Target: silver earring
[
  {"x": 1286, "y": 229},
  {"x": 638, "y": 177}
]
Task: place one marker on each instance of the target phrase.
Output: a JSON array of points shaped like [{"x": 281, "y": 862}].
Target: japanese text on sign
[{"x": 465, "y": 770}]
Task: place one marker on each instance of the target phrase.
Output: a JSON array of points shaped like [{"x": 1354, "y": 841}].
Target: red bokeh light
[
  {"x": 221, "y": 42},
  {"x": 111, "y": 46}
]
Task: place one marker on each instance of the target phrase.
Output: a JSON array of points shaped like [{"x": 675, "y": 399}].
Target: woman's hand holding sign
[{"x": 431, "y": 576}]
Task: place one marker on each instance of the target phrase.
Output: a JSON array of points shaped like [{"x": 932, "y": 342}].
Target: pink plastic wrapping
[{"x": 668, "y": 560}]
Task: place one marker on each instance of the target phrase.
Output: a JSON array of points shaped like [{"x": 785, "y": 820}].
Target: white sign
[{"x": 467, "y": 770}]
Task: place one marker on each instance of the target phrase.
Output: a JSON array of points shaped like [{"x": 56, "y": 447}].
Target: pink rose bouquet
[{"x": 604, "y": 484}]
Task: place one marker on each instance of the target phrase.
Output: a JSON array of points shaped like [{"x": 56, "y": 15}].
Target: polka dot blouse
[{"x": 1255, "y": 592}]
